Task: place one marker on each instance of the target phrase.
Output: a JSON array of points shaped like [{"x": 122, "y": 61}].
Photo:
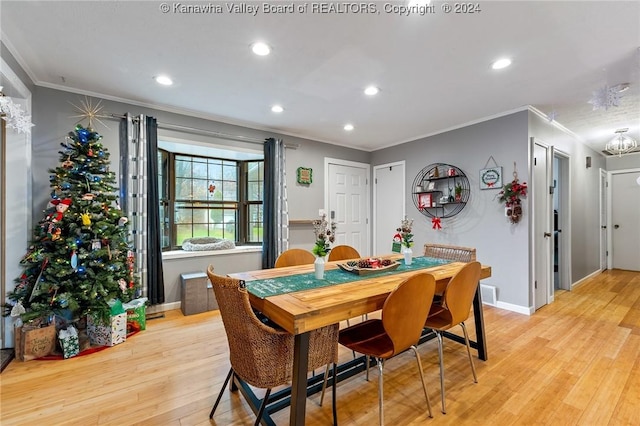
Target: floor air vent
[{"x": 488, "y": 294}]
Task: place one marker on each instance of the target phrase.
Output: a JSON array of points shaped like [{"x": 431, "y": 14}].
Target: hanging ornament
[
  {"x": 68, "y": 164},
  {"x": 212, "y": 188},
  {"x": 123, "y": 284},
  {"x": 86, "y": 218},
  {"x": 436, "y": 223},
  {"x": 74, "y": 260},
  {"x": 36, "y": 285},
  {"x": 123, "y": 221},
  {"x": 96, "y": 244},
  {"x": 90, "y": 152},
  {"x": 88, "y": 196},
  {"x": 109, "y": 252}
]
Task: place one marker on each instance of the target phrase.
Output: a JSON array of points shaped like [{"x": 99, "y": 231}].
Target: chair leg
[
  {"x": 424, "y": 384},
  {"x": 466, "y": 339},
  {"x": 333, "y": 391},
  {"x": 380, "y": 392},
  {"x": 224, "y": 385},
  {"x": 367, "y": 367},
  {"x": 262, "y": 407},
  {"x": 324, "y": 384},
  {"x": 441, "y": 357}
]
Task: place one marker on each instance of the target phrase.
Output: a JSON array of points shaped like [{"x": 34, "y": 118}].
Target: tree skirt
[{"x": 207, "y": 243}]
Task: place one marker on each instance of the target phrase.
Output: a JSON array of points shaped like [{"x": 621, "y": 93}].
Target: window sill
[{"x": 180, "y": 254}]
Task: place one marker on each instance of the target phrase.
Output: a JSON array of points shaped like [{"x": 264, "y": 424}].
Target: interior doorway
[
  {"x": 561, "y": 221},
  {"x": 624, "y": 224},
  {"x": 388, "y": 204}
]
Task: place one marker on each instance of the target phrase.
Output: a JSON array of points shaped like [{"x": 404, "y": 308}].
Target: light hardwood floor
[{"x": 576, "y": 361}]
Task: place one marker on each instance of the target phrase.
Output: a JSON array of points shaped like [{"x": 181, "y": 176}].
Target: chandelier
[{"x": 621, "y": 143}]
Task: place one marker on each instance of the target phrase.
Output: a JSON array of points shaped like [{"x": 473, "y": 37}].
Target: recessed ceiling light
[
  {"x": 260, "y": 48},
  {"x": 622, "y": 87},
  {"x": 164, "y": 80},
  {"x": 501, "y": 63},
  {"x": 371, "y": 91},
  {"x": 348, "y": 127},
  {"x": 277, "y": 108}
]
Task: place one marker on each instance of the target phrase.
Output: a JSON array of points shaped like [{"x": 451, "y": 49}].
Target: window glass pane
[
  {"x": 183, "y": 189},
  {"x": 253, "y": 171},
  {"x": 200, "y": 215},
  {"x": 215, "y": 170},
  {"x": 183, "y": 167},
  {"x": 182, "y": 213},
  {"x": 200, "y": 189},
  {"x": 182, "y": 233},
  {"x": 230, "y": 191},
  {"x": 255, "y": 223},
  {"x": 229, "y": 171},
  {"x": 254, "y": 192},
  {"x": 200, "y": 168},
  {"x": 200, "y": 230},
  {"x": 164, "y": 226}
]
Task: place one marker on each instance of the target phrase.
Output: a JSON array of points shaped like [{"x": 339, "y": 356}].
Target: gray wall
[
  {"x": 629, "y": 161},
  {"x": 53, "y": 114},
  {"x": 585, "y": 189},
  {"x": 482, "y": 223}
]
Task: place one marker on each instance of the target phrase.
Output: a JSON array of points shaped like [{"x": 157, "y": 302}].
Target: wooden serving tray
[{"x": 367, "y": 271}]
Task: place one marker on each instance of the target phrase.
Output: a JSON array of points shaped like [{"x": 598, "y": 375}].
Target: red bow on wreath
[{"x": 435, "y": 221}]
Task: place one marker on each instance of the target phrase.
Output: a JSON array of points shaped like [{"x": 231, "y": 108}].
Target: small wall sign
[
  {"x": 305, "y": 175},
  {"x": 491, "y": 178}
]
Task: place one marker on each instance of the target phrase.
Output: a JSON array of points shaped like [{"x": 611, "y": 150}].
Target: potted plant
[{"x": 458, "y": 192}]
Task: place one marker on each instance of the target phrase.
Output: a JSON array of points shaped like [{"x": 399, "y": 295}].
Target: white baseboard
[
  {"x": 515, "y": 308},
  {"x": 154, "y": 309},
  {"x": 591, "y": 275}
]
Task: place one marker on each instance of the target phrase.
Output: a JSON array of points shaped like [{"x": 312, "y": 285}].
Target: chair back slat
[
  {"x": 461, "y": 290},
  {"x": 449, "y": 252},
  {"x": 406, "y": 309}
]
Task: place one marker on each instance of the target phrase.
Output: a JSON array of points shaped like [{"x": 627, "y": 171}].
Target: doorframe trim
[
  {"x": 604, "y": 205},
  {"x": 355, "y": 164},
  {"x": 402, "y": 163},
  {"x": 610, "y": 210}
]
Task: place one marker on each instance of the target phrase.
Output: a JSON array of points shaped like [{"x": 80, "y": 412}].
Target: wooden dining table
[{"x": 301, "y": 312}]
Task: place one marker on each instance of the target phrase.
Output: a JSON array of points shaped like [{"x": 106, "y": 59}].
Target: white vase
[
  {"x": 408, "y": 255},
  {"x": 318, "y": 266}
]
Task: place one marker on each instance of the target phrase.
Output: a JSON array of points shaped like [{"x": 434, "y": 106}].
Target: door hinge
[
  {"x": 376, "y": 181},
  {"x": 535, "y": 161},
  {"x": 607, "y": 253},
  {"x": 366, "y": 181},
  {"x": 535, "y": 284},
  {"x": 367, "y": 221}
]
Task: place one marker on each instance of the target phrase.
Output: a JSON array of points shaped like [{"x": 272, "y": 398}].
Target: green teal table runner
[{"x": 289, "y": 284}]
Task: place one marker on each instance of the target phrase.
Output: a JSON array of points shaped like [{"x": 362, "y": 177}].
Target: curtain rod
[{"x": 205, "y": 132}]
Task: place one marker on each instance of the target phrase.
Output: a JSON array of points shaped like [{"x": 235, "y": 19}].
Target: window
[{"x": 209, "y": 197}]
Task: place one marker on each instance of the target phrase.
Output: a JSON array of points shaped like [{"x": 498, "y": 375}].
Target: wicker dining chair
[
  {"x": 454, "y": 310},
  {"x": 403, "y": 317},
  {"x": 294, "y": 257},
  {"x": 343, "y": 252},
  {"x": 262, "y": 355},
  {"x": 455, "y": 253}
]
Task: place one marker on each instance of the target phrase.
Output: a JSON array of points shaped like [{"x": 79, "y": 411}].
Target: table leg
[
  {"x": 299, "y": 382},
  {"x": 479, "y": 320}
]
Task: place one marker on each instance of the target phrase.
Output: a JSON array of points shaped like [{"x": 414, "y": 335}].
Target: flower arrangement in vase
[
  {"x": 406, "y": 239},
  {"x": 458, "y": 192},
  {"x": 325, "y": 235},
  {"x": 325, "y": 232}
]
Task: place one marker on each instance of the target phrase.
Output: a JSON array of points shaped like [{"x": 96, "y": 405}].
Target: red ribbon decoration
[{"x": 435, "y": 221}]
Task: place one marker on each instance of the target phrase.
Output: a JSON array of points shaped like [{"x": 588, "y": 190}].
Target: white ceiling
[{"x": 433, "y": 70}]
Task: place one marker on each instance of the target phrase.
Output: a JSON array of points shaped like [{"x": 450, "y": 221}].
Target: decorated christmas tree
[{"x": 80, "y": 259}]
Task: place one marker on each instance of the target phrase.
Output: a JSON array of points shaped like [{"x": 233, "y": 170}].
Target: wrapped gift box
[
  {"x": 69, "y": 342},
  {"x": 108, "y": 334},
  {"x": 136, "y": 314}
]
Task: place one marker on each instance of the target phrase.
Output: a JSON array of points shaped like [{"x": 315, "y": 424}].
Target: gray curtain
[
  {"x": 140, "y": 200},
  {"x": 276, "y": 212}
]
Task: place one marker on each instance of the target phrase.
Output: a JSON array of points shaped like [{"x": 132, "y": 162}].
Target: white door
[
  {"x": 625, "y": 220},
  {"x": 348, "y": 203},
  {"x": 603, "y": 220},
  {"x": 542, "y": 224},
  {"x": 388, "y": 204}
]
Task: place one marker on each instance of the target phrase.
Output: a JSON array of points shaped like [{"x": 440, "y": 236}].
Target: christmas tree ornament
[
  {"x": 74, "y": 260},
  {"x": 123, "y": 221},
  {"x": 86, "y": 219},
  {"x": 96, "y": 244},
  {"x": 90, "y": 152},
  {"x": 68, "y": 164}
]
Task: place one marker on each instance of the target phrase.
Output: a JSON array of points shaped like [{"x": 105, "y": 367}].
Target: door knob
[
  {"x": 603, "y": 227},
  {"x": 547, "y": 234},
  {"x": 616, "y": 226}
]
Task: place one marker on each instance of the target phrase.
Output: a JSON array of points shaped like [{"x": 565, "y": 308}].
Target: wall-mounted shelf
[
  {"x": 300, "y": 221},
  {"x": 434, "y": 190}
]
